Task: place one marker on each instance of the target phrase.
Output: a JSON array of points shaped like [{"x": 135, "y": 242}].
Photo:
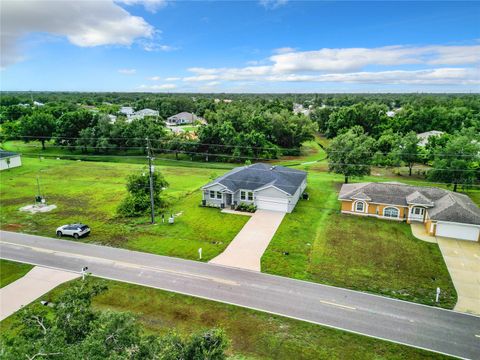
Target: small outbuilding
[{"x": 9, "y": 160}]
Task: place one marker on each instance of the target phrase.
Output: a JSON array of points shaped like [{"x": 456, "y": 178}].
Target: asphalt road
[{"x": 443, "y": 331}]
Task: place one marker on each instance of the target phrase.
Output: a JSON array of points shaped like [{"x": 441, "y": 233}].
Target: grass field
[
  {"x": 253, "y": 334},
  {"x": 359, "y": 253},
  {"x": 11, "y": 271},
  {"x": 90, "y": 193}
]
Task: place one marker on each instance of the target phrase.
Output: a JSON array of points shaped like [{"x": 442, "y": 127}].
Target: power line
[{"x": 167, "y": 140}]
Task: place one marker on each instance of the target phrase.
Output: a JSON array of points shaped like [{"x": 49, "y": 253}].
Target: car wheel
[
  {"x": 59, "y": 234},
  {"x": 75, "y": 236}
]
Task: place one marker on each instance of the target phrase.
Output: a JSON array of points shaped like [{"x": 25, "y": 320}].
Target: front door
[
  {"x": 417, "y": 213},
  {"x": 228, "y": 199}
]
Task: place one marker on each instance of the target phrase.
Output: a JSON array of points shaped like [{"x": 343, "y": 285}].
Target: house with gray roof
[
  {"x": 9, "y": 160},
  {"x": 182, "y": 119},
  {"x": 444, "y": 213},
  {"x": 267, "y": 187}
]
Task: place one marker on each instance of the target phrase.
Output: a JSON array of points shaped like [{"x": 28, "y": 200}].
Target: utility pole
[{"x": 150, "y": 171}]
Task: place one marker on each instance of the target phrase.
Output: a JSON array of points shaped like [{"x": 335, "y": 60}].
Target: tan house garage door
[{"x": 457, "y": 231}]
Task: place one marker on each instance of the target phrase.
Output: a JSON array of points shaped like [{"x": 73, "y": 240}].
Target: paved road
[{"x": 426, "y": 327}]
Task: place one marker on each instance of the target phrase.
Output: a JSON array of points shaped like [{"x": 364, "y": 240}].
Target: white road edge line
[{"x": 264, "y": 311}]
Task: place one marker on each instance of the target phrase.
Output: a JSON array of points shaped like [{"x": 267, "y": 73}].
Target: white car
[{"x": 75, "y": 230}]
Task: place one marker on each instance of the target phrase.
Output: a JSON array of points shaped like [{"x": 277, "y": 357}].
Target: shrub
[{"x": 246, "y": 207}]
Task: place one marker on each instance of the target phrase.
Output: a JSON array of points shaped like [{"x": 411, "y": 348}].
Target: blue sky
[{"x": 247, "y": 46}]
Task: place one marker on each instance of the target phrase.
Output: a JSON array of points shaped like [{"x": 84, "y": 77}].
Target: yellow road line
[{"x": 339, "y": 305}]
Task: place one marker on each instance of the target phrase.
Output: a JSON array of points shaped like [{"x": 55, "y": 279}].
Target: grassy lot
[
  {"x": 359, "y": 253},
  {"x": 90, "y": 193},
  {"x": 253, "y": 334},
  {"x": 11, "y": 271},
  {"x": 310, "y": 151},
  {"x": 34, "y": 149}
]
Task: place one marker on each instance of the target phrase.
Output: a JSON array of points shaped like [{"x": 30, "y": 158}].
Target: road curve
[{"x": 425, "y": 327}]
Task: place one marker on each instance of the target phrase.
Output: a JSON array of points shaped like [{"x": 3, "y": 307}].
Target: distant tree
[
  {"x": 70, "y": 124},
  {"x": 137, "y": 201},
  {"x": 38, "y": 126},
  {"x": 350, "y": 153},
  {"x": 408, "y": 150},
  {"x": 459, "y": 161}
]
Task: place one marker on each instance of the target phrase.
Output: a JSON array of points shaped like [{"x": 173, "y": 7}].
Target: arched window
[
  {"x": 360, "y": 206},
  {"x": 391, "y": 212}
]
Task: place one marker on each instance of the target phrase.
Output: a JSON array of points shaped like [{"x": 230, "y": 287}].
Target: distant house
[
  {"x": 146, "y": 112},
  {"x": 37, "y": 103},
  {"x": 9, "y": 160},
  {"x": 300, "y": 109},
  {"x": 443, "y": 213},
  {"x": 126, "y": 110},
  {"x": 423, "y": 137},
  {"x": 182, "y": 118},
  {"x": 112, "y": 118},
  {"x": 267, "y": 187}
]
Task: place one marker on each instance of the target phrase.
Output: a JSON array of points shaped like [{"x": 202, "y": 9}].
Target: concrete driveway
[
  {"x": 34, "y": 284},
  {"x": 463, "y": 261},
  {"x": 247, "y": 248},
  {"x": 462, "y": 258}
]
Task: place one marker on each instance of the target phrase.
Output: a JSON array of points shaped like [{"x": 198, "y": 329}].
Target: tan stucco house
[{"x": 444, "y": 213}]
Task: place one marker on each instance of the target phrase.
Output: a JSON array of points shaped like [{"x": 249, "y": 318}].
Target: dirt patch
[
  {"x": 18, "y": 201},
  {"x": 12, "y": 227}
]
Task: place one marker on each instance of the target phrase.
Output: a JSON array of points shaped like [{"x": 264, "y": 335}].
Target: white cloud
[
  {"x": 353, "y": 65},
  {"x": 149, "y": 5},
  {"x": 153, "y": 46},
  {"x": 127, "y": 71},
  {"x": 83, "y": 23},
  {"x": 158, "y": 87},
  {"x": 173, "y": 79},
  {"x": 284, "y": 50},
  {"x": 154, "y": 78},
  {"x": 272, "y": 4}
]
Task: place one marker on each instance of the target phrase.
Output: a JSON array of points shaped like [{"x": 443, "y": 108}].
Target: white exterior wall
[
  {"x": 296, "y": 196},
  {"x": 273, "y": 199},
  {"x": 15, "y": 161}
]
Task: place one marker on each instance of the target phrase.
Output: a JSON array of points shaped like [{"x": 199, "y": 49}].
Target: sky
[{"x": 240, "y": 46}]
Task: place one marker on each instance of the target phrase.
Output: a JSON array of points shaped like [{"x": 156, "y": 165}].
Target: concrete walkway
[
  {"x": 34, "y": 284},
  {"x": 462, "y": 258},
  {"x": 463, "y": 262},
  {"x": 418, "y": 230},
  {"x": 247, "y": 248}
]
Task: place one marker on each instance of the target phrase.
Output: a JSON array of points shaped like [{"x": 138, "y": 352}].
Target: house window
[
  {"x": 391, "y": 212},
  {"x": 250, "y": 196},
  {"x": 418, "y": 211},
  {"x": 360, "y": 206},
  {"x": 242, "y": 195},
  {"x": 212, "y": 194},
  {"x": 219, "y": 195}
]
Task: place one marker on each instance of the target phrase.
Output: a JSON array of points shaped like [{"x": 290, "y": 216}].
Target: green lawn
[
  {"x": 90, "y": 192},
  {"x": 366, "y": 254},
  {"x": 11, "y": 271},
  {"x": 310, "y": 152},
  {"x": 253, "y": 334}
]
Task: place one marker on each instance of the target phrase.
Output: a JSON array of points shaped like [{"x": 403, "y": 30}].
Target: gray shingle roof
[
  {"x": 259, "y": 175},
  {"x": 6, "y": 154},
  {"x": 445, "y": 205}
]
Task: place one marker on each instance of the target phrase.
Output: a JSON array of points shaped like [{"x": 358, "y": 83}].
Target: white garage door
[
  {"x": 268, "y": 203},
  {"x": 463, "y": 232}
]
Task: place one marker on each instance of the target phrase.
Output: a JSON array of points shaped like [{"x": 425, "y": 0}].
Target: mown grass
[
  {"x": 11, "y": 271},
  {"x": 366, "y": 254},
  {"x": 253, "y": 334},
  {"x": 91, "y": 192}
]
